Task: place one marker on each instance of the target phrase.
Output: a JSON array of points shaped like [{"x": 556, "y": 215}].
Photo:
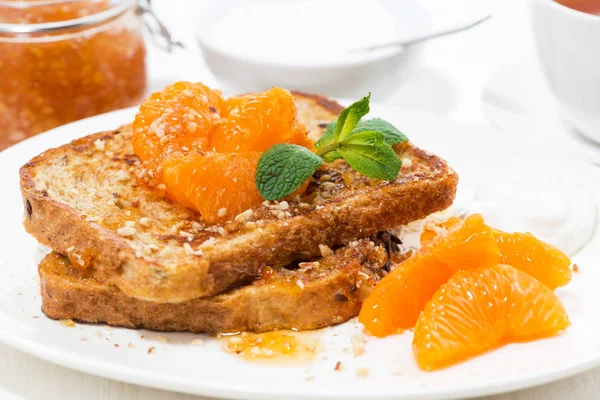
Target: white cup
[{"x": 568, "y": 46}]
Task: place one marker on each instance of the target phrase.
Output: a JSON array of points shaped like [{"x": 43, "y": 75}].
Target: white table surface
[{"x": 448, "y": 82}]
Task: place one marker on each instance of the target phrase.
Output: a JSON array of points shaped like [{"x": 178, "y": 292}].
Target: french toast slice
[
  {"x": 313, "y": 295},
  {"x": 83, "y": 200}
]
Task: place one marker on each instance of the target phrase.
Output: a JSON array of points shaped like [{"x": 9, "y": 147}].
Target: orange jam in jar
[{"x": 63, "y": 60}]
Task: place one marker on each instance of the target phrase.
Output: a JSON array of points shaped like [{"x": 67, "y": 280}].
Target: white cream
[
  {"x": 306, "y": 31},
  {"x": 551, "y": 208}
]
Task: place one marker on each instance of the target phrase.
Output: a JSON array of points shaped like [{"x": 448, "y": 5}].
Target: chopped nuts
[
  {"x": 357, "y": 340},
  {"x": 304, "y": 206},
  {"x": 67, "y": 322},
  {"x": 362, "y": 372},
  {"x": 152, "y": 247},
  {"x": 325, "y": 178},
  {"x": 284, "y": 205},
  {"x": 325, "y": 250},
  {"x": 406, "y": 163},
  {"x": 328, "y": 185},
  {"x": 122, "y": 175},
  {"x": 300, "y": 284},
  {"x": 145, "y": 221},
  {"x": 353, "y": 244},
  {"x": 208, "y": 242},
  {"x": 222, "y": 212},
  {"x": 191, "y": 127},
  {"x": 244, "y": 216},
  {"x": 338, "y": 366},
  {"x": 161, "y": 186},
  {"x": 191, "y": 252},
  {"x": 430, "y": 226},
  {"x": 100, "y": 145},
  {"x": 130, "y": 224},
  {"x": 126, "y": 231}
]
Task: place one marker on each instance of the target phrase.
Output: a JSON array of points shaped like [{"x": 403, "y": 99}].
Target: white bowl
[
  {"x": 567, "y": 46},
  {"x": 379, "y": 72}
]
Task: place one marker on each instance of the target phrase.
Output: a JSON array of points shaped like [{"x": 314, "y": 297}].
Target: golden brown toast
[
  {"x": 83, "y": 200},
  {"x": 314, "y": 295}
]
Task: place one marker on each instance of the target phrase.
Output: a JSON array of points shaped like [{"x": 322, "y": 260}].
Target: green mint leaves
[
  {"x": 367, "y": 153},
  {"x": 365, "y": 145},
  {"x": 284, "y": 168}
]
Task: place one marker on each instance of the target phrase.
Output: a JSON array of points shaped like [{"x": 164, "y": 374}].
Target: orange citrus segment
[
  {"x": 181, "y": 116},
  {"x": 205, "y": 149},
  {"x": 524, "y": 251},
  {"x": 479, "y": 309},
  {"x": 255, "y": 123},
  {"x": 544, "y": 262},
  {"x": 218, "y": 185},
  {"x": 397, "y": 300}
]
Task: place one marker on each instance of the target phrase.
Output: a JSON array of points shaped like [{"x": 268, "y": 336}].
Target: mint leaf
[
  {"x": 331, "y": 156},
  {"x": 390, "y": 133},
  {"x": 367, "y": 153},
  {"x": 284, "y": 168},
  {"x": 350, "y": 116},
  {"x": 327, "y": 137}
]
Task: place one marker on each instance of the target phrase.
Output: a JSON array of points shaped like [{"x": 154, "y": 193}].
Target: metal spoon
[{"x": 428, "y": 36}]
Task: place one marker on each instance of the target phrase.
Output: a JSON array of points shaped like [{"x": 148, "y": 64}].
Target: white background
[{"x": 449, "y": 81}]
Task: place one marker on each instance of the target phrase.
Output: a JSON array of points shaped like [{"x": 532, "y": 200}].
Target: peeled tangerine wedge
[
  {"x": 524, "y": 251},
  {"x": 480, "y": 309},
  {"x": 398, "y": 299},
  {"x": 205, "y": 149}
]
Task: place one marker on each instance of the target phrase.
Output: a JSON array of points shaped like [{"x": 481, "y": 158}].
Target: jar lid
[{"x": 158, "y": 32}]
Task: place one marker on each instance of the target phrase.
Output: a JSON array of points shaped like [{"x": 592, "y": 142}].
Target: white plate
[
  {"x": 517, "y": 99},
  {"x": 207, "y": 370}
]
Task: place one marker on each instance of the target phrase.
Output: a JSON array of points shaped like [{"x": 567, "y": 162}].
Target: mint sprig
[
  {"x": 365, "y": 145},
  {"x": 283, "y": 169}
]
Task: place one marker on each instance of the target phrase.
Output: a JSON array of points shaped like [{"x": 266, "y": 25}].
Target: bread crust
[
  {"x": 313, "y": 296},
  {"x": 75, "y": 224}
]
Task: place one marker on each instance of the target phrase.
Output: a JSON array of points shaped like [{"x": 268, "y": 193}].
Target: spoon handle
[{"x": 428, "y": 36}]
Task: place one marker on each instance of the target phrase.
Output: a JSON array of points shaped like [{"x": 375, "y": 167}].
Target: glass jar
[{"x": 63, "y": 60}]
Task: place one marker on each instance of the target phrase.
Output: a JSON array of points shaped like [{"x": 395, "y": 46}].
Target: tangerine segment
[
  {"x": 181, "y": 116},
  {"x": 256, "y": 122},
  {"x": 524, "y": 251},
  {"x": 479, "y": 309},
  {"x": 219, "y": 186},
  {"x": 544, "y": 262},
  {"x": 399, "y": 298}
]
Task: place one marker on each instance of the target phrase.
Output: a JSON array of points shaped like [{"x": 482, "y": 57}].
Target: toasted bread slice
[
  {"x": 83, "y": 200},
  {"x": 314, "y": 295}
]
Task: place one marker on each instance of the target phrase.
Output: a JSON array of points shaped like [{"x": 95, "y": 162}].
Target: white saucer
[{"x": 517, "y": 99}]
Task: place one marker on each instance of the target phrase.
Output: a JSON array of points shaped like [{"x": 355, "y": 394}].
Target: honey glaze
[{"x": 280, "y": 346}]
